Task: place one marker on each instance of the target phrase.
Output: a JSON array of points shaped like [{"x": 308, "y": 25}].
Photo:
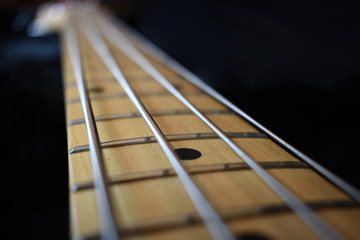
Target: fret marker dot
[
  {"x": 187, "y": 153},
  {"x": 96, "y": 90}
]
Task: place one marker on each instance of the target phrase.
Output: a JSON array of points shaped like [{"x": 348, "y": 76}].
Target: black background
[{"x": 295, "y": 69}]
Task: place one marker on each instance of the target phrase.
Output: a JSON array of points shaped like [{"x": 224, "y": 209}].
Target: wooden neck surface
[{"x": 149, "y": 200}]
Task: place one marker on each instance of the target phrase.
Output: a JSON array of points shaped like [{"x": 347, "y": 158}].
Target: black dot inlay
[
  {"x": 251, "y": 236},
  {"x": 187, "y": 153},
  {"x": 96, "y": 90}
]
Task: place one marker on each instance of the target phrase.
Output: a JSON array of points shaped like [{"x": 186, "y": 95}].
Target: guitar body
[{"x": 148, "y": 198}]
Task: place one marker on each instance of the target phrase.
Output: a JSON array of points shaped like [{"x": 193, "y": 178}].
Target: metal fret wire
[
  {"x": 172, "y": 137},
  {"x": 213, "y": 222},
  {"x": 309, "y": 217},
  {"x": 159, "y": 55},
  {"x": 106, "y": 218},
  {"x": 167, "y": 172},
  {"x": 153, "y": 113}
]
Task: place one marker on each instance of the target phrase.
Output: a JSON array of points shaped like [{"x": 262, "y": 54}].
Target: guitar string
[
  {"x": 159, "y": 55},
  {"x": 307, "y": 215},
  {"x": 212, "y": 221},
  {"x": 106, "y": 217}
]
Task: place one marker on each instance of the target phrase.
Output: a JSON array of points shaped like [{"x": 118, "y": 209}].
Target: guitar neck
[{"x": 154, "y": 153}]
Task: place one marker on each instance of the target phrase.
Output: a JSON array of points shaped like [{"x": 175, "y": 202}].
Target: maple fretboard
[{"x": 178, "y": 161}]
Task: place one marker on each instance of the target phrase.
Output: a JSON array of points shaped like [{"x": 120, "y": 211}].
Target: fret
[
  {"x": 72, "y": 84},
  {"x": 106, "y": 107},
  {"x": 110, "y": 130},
  {"x": 150, "y": 84},
  {"x": 100, "y": 72},
  {"x": 122, "y": 95},
  {"x": 110, "y": 87},
  {"x": 135, "y": 70},
  {"x": 136, "y": 114},
  {"x": 154, "y": 103},
  {"x": 186, "y": 220},
  {"x": 126, "y": 128},
  {"x": 138, "y": 176},
  {"x": 174, "y": 80},
  {"x": 136, "y": 77},
  {"x": 175, "y": 137}
]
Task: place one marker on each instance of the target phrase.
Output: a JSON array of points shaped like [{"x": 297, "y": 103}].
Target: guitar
[{"x": 156, "y": 153}]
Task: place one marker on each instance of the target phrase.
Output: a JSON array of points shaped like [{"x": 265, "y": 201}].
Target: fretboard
[{"x": 154, "y": 153}]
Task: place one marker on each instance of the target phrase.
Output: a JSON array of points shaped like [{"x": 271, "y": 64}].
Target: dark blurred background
[{"x": 293, "y": 68}]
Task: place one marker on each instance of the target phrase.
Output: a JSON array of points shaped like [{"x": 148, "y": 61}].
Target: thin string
[
  {"x": 213, "y": 222},
  {"x": 106, "y": 217},
  {"x": 308, "y": 216},
  {"x": 159, "y": 55}
]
